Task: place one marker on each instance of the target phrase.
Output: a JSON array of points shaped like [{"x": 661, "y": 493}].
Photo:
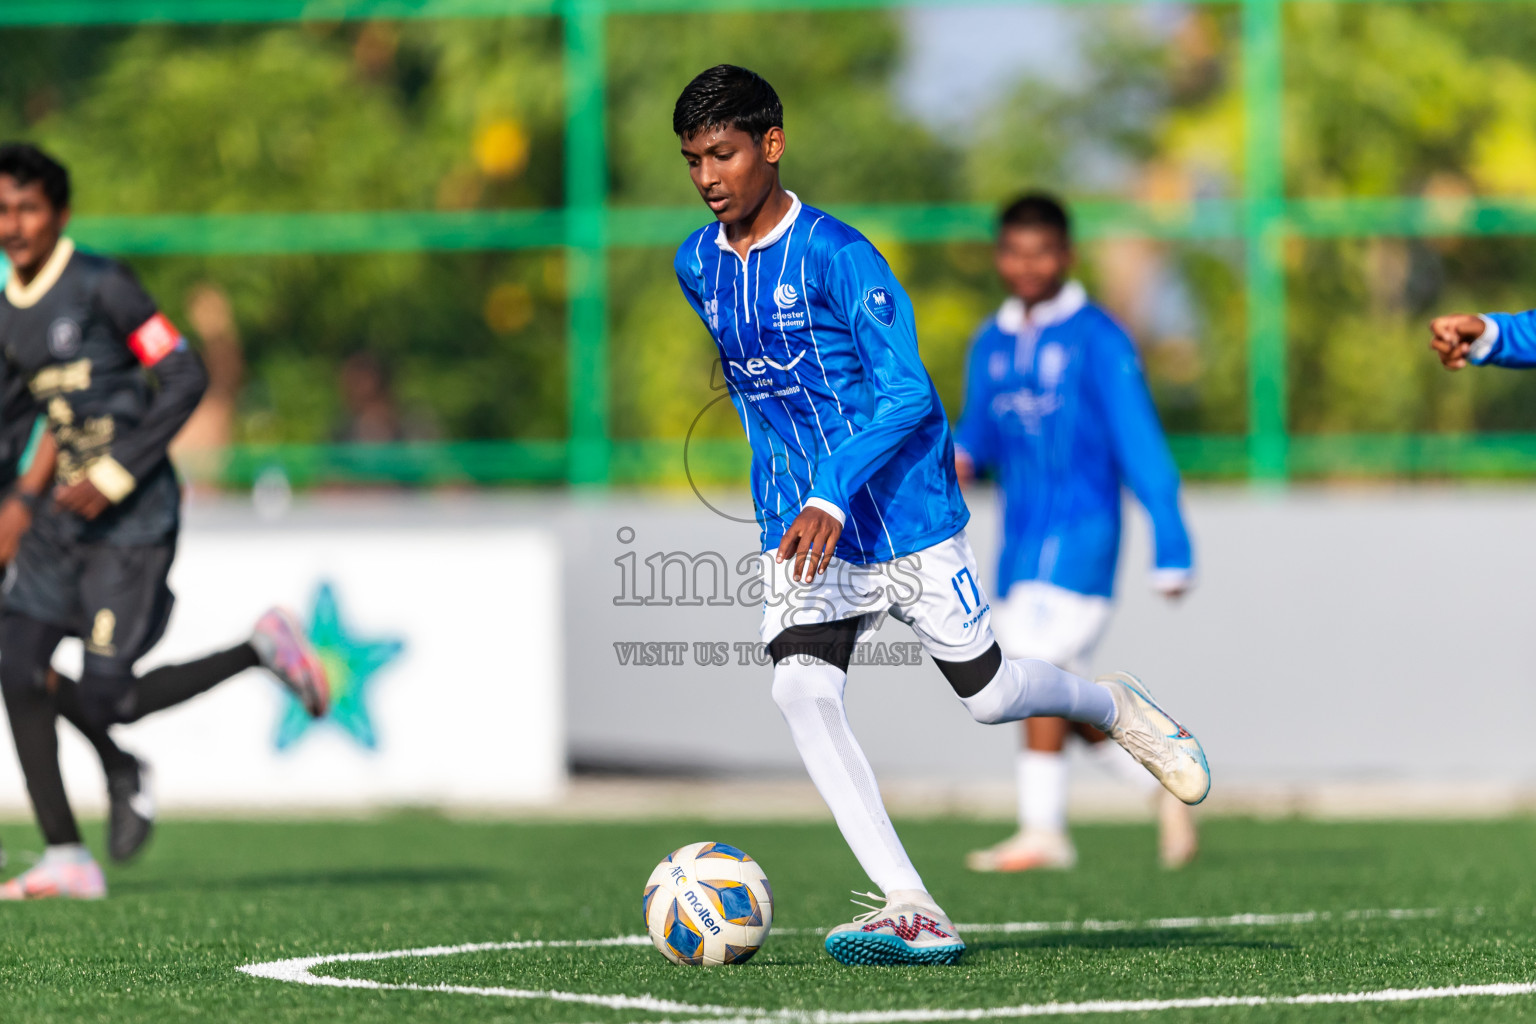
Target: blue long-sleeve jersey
[
  {"x": 1509, "y": 341},
  {"x": 1062, "y": 417},
  {"x": 819, "y": 353}
]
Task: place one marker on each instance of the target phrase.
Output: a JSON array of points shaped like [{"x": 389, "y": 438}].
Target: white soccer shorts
[
  {"x": 1041, "y": 620},
  {"x": 937, "y": 591}
]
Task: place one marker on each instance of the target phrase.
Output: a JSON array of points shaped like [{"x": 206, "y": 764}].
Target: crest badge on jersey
[
  {"x": 881, "y": 305},
  {"x": 785, "y": 296},
  {"x": 64, "y": 338},
  {"x": 1052, "y": 365}
]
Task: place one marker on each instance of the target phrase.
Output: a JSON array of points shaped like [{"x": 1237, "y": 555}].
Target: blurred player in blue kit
[
  {"x": 853, "y": 478},
  {"x": 1057, "y": 410},
  {"x": 90, "y": 529}
]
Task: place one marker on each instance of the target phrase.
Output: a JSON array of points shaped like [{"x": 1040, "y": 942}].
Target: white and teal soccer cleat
[
  {"x": 895, "y": 934},
  {"x": 1163, "y": 746}
]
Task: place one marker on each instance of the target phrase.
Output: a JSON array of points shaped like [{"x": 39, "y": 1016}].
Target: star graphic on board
[{"x": 351, "y": 663}]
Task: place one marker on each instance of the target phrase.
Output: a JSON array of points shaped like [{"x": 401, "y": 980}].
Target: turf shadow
[
  {"x": 1127, "y": 939},
  {"x": 339, "y": 879}
]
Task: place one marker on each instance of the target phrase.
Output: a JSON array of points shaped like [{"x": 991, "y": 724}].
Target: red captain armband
[{"x": 155, "y": 339}]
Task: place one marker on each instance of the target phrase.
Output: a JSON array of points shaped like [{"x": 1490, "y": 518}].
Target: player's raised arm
[
  {"x": 162, "y": 349},
  {"x": 865, "y": 295},
  {"x": 1141, "y": 453},
  {"x": 1478, "y": 339},
  {"x": 879, "y": 317}
]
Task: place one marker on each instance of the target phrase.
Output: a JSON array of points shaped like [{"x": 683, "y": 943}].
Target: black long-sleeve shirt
[{"x": 81, "y": 336}]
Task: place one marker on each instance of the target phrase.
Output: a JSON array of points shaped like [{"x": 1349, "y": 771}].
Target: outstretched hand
[
  {"x": 82, "y": 498},
  {"x": 1452, "y": 337},
  {"x": 965, "y": 469},
  {"x": 810, "y": 540}
]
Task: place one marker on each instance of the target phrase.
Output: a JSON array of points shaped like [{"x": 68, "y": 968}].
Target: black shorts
[{"x": 114, "y": 598}]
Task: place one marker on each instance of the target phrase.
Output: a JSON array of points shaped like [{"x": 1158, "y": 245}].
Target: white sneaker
[
  {"x": 50, "y": 879},
  {"x": 895, "y": 933},
  {"x": 1177, "y": 840},
  {"x": 1163, "y": 746},
  {"x": 1039, "y": 850}
]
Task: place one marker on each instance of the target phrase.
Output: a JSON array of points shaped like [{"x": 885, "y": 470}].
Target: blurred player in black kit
[{"x": 94, "y": 519}]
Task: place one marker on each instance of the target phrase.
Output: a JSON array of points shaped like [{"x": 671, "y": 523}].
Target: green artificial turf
[{"x": 208, "y": 897}]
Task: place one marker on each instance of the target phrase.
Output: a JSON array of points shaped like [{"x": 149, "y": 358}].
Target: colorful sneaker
[
  {"x": 286, "y": 652},
  {"x": 1026, "y": 851},
  {"x": 895, "y": 933},
  {"x": 57, "y": 880},
  {"x": 131, "y": 810},
  {"x": 1177, "y": 839},
  {"x": 1163, "y": 746}
]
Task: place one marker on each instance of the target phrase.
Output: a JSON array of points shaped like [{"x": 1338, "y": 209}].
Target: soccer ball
[{"x": 708, "y": 904}]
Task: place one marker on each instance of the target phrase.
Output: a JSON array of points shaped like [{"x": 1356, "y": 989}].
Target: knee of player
[
  {"x": 987, "y": 713},
  {"x": 970, "y": 678},
  {"x": 803, "y": 677},
  {"x": 106, "y": 693}
]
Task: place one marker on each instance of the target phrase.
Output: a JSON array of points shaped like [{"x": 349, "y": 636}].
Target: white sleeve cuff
[
  {"x": 1166, "y": 581},
  {"x": 1483, "y": 346},
  {"x": 829, "y": 508},
  {"x": 109, "y": 477}
]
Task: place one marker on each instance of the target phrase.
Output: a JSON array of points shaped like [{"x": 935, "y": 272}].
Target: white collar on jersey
[
  {"x": 25, "y": 296},
  {"x": 772, "y": 236},
  {"x": 1013, "y": 318}
]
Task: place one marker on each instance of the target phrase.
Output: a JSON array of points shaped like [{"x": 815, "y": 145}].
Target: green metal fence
[{"x": 587, "y": 228}]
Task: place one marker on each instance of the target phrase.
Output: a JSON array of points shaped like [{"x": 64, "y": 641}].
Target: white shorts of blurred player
[
  {"x": 1041, "y": 620},
  {"x": 937, "y": 591}
]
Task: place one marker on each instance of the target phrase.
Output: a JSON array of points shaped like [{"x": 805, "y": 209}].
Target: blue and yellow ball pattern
[{"x": 708, "y": 904}]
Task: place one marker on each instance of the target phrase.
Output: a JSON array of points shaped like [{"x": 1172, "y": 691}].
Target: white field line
[
  {"x": 1108, "y": 1006},
  {"x": 300, "y": 970}
]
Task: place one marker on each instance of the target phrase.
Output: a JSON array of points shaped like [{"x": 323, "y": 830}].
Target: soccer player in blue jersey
[
  {"x": 1056, "y": 409},
  {"x": 854, "y": 482}
]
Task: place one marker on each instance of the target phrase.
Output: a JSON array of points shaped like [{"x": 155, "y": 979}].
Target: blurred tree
[
  {"x": 1154, "y": 115},
  {"x": 1367, "y": 116},
  {"x": 370, "y": 116},
  {"x": 469, "y": 115}
]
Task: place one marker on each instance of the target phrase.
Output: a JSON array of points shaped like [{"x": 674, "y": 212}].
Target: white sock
[
  {"x": 1029, "y": 688},
  {"x": 916, "y": 897},
  {"x": 67, "y": 853},
  {"x": 811, "y": 698},
  {"x": 1043, "y": 790}
]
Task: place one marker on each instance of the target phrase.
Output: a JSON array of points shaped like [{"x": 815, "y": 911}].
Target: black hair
[
  {"x": 1036, "y": 210},
  {"x": 727, "y": 96},
  {"x": 26, "y": 163}
]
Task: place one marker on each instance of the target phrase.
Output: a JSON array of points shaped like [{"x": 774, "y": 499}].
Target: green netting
[{"x": 588, "y": 228}]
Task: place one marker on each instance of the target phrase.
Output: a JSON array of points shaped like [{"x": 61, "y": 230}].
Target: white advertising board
[{"x": 445, "y": 652}]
